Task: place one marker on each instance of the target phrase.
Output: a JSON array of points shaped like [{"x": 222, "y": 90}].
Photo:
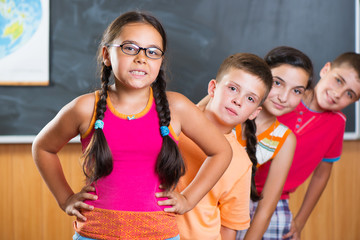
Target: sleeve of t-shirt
[
  {"x": 234, "y": 205},
  {"x": 334, "y": 151}
]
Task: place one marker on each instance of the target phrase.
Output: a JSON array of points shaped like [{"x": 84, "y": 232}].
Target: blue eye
[
  {"x": 277, "y": 83},
  {"x": 297, "y": 91},
  {"x": 251, "y": 99},
  {"x": 349, "y": 94}
]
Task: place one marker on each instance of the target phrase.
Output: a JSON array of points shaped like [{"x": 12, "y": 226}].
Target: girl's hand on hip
[
  {"x": 177, "y": 202},
  {"x": 294, "y": 233},
  {"x": 75, "y": 203}
]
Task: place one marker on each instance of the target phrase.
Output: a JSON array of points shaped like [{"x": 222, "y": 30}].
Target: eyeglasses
[{"x": 133, "y": 49}]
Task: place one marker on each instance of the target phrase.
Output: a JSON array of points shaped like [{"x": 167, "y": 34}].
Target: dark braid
[
  {"x": 170, "y": 165},
  {"x": 98, "y": 158},
  {"x": 251, "y": 141}
]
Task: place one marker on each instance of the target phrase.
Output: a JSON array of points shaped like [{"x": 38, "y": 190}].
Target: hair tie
[
  {"x": 99, "y": 124},
  {"x": 164, "y": 131}
]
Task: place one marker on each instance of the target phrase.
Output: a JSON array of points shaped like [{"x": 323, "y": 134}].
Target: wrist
[
  {"x": 64, "y": 202},
  {"x": 299, "y": 223}
]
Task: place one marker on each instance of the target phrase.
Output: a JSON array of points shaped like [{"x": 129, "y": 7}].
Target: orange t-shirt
[{"x": 226, "y": 204}]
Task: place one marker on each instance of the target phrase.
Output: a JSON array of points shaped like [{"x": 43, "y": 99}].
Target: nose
[
  {"x": 282, "y": 96},
  {"x": 338, "y": 92},
  {"x": 237, "y": 101},
  {"x": 141, "y": 56}
]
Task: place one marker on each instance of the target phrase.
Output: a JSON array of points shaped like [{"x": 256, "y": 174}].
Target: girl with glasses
[{"x": 129, "y": 129}]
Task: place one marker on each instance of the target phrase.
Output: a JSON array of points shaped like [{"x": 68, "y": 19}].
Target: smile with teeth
[{"x": 141, "y": 73}]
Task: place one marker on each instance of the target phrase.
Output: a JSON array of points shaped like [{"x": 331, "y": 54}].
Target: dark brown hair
[
  {"x": 292, "y": 56},
  {"x": 98, "y": 158},
  {"x": 256, "y": 66}
]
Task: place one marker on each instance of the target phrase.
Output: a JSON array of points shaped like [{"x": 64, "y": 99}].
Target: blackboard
[{"x": 201, "y": 34}]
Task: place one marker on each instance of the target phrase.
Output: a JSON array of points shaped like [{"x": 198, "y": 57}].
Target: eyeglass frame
[{"x": 139, "y": 49}]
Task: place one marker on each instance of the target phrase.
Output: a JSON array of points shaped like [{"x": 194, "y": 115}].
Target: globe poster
[{"x": 24, "y": 42}]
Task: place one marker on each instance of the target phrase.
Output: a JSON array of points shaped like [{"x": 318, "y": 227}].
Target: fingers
[
  {"x": 77, "y": 214},
  {"x": 171, "y": 210},
  {"x": 75, "y": 203},
  {"x": 75, "y": 210},
  {"x": 168, "y": 198},
  {"x": 176, "y": 202},
  {"x": 88, "y": 188},
  {"x": 82, "y": 205},
  {"x": 88, "y": 196},
  {"x": 289, "y": 234},
  {"x": 85, "y": 194}
]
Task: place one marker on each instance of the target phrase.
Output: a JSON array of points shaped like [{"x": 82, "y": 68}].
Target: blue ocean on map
[{"x": 19, "y": 21}]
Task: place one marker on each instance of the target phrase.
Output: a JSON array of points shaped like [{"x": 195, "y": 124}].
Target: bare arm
[
  {"x": 227, "y": 233},
  {"x": 186, "y": 117},
  {"x": 203, "y": 102},
  {"x": 316, "y": 187},
  {"x": 272, "y": 190},
  {"x": 48, "y": 143}
]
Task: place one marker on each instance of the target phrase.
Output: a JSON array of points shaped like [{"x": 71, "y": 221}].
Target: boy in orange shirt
[{"x": 242, "y": 84}]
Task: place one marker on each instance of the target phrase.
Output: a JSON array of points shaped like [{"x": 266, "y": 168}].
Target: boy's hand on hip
[{"x": 176, "y": 201}]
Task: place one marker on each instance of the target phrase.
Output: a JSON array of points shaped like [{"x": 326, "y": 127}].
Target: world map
[{"x": 19, "y": 21}]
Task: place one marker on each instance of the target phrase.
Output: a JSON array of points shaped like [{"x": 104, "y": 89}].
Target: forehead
[
  {"x": 245, "y": 80},
  {"x": 291, "y": 75},
  {"x": 141, "y": 33}
]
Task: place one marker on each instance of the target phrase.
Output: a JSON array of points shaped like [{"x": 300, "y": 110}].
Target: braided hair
[{"x": 98, "y": 158}]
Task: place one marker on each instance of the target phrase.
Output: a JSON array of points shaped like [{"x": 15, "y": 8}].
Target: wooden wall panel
[
  {"x": 29, "y": 211},
  {"x": 347, "y": 193},
  {"x": 25, "y": 193},
  {"x": 337, "y": 214},
  {"x": 6, "y": 189}
]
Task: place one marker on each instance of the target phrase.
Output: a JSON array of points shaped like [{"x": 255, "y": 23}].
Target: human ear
[
  {"x": 255, "y": 113},
  {"x": 106, "y": 56},
  {"x": 325, "y": 69},
  {"x": 212, "y": 87}
]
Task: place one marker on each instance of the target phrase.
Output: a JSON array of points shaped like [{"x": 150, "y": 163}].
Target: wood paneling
[
  {"x": 336, "y": 216},
  {"x": 29, "y": 211}
]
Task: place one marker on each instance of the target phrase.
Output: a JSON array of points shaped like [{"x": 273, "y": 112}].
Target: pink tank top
[{"x": 135, "y": 143}]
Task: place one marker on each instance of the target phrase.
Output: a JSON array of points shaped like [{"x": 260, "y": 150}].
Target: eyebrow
[
  {"x": 136, "y": 43},
  {"x": 240, "y": 87},
  {"x": 343, "y": 79},
  {"x": 279, "y": 78}
]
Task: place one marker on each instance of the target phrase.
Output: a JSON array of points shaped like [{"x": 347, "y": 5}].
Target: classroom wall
[
  {"x": 201, "y": 34},
  {"x": 29, "y": 211}
]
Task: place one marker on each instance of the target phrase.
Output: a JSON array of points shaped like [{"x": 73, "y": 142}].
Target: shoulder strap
[{"x": 91, "y": 126}]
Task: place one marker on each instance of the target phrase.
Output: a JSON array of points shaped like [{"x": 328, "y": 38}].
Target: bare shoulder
[
  {"x": 178, "y": 101},
  {"x": 82, "y": 108},
  {"x": 180, "y": 105},
  {"x": 291, "y": 139},
  {"x": 182, "y": 111},
  {"x": 83, "y": 104},
  {"x": 287, "y": 150}
]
